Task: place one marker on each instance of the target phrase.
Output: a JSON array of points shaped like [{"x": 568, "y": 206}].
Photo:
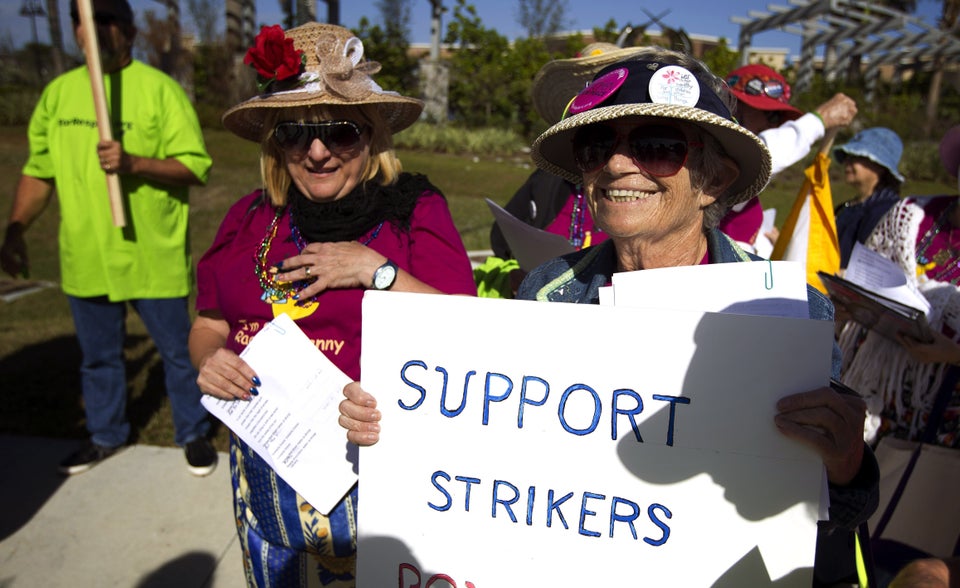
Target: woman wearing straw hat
[
  {"x": 546, "y": 201},
  {"x": 661, "y": 160},
  {"x": 335, "y": 217},
  {"x": 870, "y": 161}
]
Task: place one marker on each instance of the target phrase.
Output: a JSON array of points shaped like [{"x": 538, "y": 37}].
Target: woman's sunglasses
[
  {"x": 659, "y": 150},
  {"x": 337, "y": 135},
  {"x": 758, "y": 86}
]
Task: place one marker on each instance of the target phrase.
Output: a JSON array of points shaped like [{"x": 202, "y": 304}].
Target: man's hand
[
  {"x": 13, "y": 253},
  {"x": 838, "y": 111},
  {"x": 829, "y": 422}
]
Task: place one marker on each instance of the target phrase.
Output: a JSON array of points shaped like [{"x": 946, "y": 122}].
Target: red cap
[{"x": 762, "y": 88}]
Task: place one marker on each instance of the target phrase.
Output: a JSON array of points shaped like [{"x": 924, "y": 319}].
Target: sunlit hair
[
  {"x": 706, "y": 165},
  {"x": 382, "y": 166}
]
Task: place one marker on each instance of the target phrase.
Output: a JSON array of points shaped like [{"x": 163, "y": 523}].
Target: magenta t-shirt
[{"x": 431, "y": 251}]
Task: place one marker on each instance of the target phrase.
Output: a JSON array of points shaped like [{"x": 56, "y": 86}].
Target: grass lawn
[{"x": 39, "y": 355}]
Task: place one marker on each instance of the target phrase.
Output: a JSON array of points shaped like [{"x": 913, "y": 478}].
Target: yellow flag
[{"x": 809, "y": 234}]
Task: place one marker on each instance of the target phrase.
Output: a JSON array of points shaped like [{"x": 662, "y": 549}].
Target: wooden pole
[
  {"x": 827, "y": 141},
  {"x": 91, "y": 49}
]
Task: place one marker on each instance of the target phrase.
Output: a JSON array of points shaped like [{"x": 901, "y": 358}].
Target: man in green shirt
[{"x": 158, "y": 152}]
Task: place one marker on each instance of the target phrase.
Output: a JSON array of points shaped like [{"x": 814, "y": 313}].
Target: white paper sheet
[
  {"x": 769, "y": 217},
  {"x": 292, "y": 424},
  {"x": 761, "y": 288},
  {"x": 878, "y": 274},
  {"x": 530, "y": 246}
]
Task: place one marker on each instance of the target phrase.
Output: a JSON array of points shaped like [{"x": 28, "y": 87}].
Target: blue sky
[{"x": 707, "y": 17}]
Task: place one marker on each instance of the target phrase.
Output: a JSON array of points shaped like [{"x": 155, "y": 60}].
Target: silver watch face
[{"x": 384, "y": 276}]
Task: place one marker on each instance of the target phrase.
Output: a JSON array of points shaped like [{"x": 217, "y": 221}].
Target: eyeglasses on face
[
  {"x": 757, "y": 86},
  {"x": 659, "y": 150},
  {"x": 338, "y": 136}
]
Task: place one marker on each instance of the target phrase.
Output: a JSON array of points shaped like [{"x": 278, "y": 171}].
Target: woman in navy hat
[
  {"x": 870, "y": 163},
  {"x": 661, "y": 159}
]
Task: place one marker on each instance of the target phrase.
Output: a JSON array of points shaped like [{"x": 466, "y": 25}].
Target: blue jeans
[{"x": 100, "y": 326}]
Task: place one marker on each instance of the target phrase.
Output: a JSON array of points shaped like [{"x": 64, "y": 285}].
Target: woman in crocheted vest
[{"x": 899, "y": 381}]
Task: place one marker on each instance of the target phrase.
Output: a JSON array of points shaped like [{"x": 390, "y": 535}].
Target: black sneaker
[
  {"x": 86, "y": 457},
  {"x": 201, "y": 457}
]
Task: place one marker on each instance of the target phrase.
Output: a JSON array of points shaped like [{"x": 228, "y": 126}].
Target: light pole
[
  {"x": 33, "y": 9},
  {"x": 435, "y": 77}
]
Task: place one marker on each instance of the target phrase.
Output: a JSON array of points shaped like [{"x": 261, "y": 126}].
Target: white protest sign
[{"x": 511, "y": 452}]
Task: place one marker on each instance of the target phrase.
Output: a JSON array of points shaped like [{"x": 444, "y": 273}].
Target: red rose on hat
[{"x": 273, "y": 56}]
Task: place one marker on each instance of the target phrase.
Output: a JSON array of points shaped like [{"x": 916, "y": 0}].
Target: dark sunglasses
[
  {"x": 336, "y": 135},
  {"x": 758, "y": 86},
  {"x": 659, "y": 150}
]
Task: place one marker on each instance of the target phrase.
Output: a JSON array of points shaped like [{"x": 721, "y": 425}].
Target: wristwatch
[{"x": 385, "y": 276}]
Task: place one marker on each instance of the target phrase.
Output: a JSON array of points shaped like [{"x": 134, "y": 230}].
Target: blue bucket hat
[{"x": 878, "y": 144}]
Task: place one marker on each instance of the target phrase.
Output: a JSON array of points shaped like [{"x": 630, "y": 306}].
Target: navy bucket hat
[
  {"x": 878, "y": 144},
  {"x": 636, "y": 87}
]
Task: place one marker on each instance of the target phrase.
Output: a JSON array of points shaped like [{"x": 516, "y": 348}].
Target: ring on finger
[{"x": 308, "y": 271}]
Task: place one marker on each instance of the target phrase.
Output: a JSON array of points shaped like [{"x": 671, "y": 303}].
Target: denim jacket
[{"x": 577, "y": 277}]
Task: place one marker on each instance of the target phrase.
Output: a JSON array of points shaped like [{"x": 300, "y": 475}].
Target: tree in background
[
  {"x": 286, "y": 9},
  {"x": 390, "y": 46},
  {"x": 153, "y": 38},
  {"x": 490, "y": 79},
  {"x": 205, "y": 14},
  {"x": 540, "y": 18},
  {"x": 721, "y": 59},
  {"x": 948, "y": 23},
  {"x": 608, "y": 34},
  {"x": 56, "y": 38},
  {"x": 213, "y": 63},
  {"x": 477, "y": 73}
]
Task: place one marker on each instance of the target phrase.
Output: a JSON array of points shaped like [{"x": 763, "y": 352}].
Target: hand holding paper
[
  {"x": 292, "y": 423},
  {"x": 359, "y": 416}
]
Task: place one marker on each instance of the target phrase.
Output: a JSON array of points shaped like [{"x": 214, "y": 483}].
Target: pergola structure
[{"x": 852, "y": 32}]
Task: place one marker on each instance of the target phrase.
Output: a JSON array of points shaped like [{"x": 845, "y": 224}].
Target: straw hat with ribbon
[
  {"x": 655, "y": 89},
  {"x": 558, "y": 81},
  {"x": 310, "y": 65}
]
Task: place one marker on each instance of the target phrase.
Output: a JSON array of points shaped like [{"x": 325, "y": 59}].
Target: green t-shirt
[{"x": 152, "y": 116}]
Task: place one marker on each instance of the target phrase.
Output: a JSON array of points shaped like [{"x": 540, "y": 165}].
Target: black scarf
[{"x": 357, "y": 213}]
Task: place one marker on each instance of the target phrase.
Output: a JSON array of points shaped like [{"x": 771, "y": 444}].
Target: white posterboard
[{"x": 531, "y": 474}]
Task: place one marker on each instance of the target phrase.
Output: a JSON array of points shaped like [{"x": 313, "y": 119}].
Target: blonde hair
[{"x": 382, "y": 164}]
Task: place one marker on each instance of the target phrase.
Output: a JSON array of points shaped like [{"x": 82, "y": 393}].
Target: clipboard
[{"x": 878, "y": 313}]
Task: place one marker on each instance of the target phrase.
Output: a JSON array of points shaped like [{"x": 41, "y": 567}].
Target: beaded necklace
[
  {"x": 274, "y": 291},
  {"x": 946, "y": 258},
  {"x": 577, "y": 219}
]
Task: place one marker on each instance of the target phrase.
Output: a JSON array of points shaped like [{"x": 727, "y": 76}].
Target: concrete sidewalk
[{"x": 139, "y": 519}]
